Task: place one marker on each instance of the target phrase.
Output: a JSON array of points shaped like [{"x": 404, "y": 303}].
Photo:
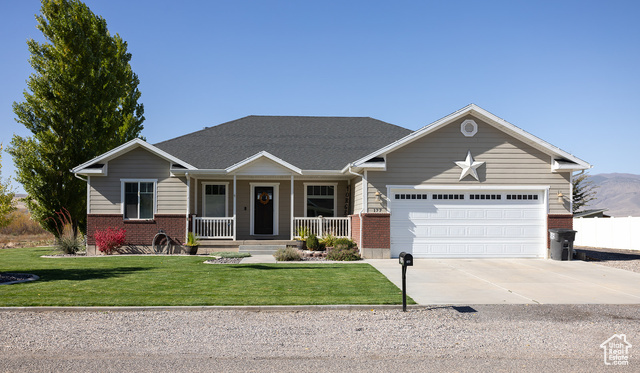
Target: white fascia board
[
  {"x": 199, "y": 172},
  {"x": 322, "y": 173},
  {"x": 267, "y": 155},
  {"x": 470, "y": 187},
  {"x": 128, "y": 146},
  {"x": 93, "y": 171},
  {"x": 559, "y": 166},
  {"x": 492, "y": 119}
]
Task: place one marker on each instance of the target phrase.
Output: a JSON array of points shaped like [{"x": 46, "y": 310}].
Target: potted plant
[
  {"x": 192, "y": 243},
  {"x": 301, "y": 238}
]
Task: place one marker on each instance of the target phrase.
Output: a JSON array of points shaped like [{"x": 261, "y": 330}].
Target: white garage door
[{"x": 469, "y": 224}]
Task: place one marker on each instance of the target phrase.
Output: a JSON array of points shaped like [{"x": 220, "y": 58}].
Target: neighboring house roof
[
  {"x": 591, "y": 214},
  {"x": 562, "y": 160},
  {"x": 307, "y": 143}
]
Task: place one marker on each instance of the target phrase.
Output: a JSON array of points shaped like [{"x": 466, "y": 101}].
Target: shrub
[
  {"x": 22, "y": 224},
  {"x": 344, "y": 243},
  {"x": 312, "y": 242},
  {"x": 341, "y": 253},
  {"x": 67, "y": 239},
  {"x": 287, "y": 255},
  {"x": 328, "y": 240},
  {"x": 109, "y": 240}
]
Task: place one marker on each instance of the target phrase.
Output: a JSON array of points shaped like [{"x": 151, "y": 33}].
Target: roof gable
[
  {"x": 263, "y": 163},
  {"x": 492, "y": 120},
  {"x": 125, "y": 148}
]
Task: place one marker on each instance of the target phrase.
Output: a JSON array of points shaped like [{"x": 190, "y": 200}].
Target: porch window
[
  {"x": 320, "y": 200},
  {"x": 138, "y": 198},
  {"x": 215, "y": 200}
]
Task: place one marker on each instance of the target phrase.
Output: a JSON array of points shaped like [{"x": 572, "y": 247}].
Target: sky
[{"x": 565, "y": 71}]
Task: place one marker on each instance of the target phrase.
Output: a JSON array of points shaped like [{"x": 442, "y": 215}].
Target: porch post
[
  {"x": 186, "y": 231},
  {"x": 292, "y": 210},
  {"x": 235, "y": 219}
]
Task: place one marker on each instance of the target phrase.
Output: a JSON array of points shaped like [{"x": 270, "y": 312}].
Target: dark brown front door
[{"x": 263, "y": 210}]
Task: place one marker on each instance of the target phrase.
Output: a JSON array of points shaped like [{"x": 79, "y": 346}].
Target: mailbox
[{"x": 405, "y": 259}]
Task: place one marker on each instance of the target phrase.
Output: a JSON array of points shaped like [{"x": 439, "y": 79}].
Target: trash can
[{"x": 561, "y": 243}]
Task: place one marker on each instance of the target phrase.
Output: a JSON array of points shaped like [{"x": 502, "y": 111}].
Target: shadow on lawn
[
  {"x": 283, "y": 267},
  {"x": 82, "y": 274}
]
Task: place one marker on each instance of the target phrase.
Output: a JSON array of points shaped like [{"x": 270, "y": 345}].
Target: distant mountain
[{"x": 619, "y": 193}]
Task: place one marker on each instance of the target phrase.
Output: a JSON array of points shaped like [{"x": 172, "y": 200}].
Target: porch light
[
  {"x": 378, "y": 197},
  {"x": 560, "y": 197}
]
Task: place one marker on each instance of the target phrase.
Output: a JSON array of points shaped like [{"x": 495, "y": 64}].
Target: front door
[{"x": 263, "y": 210}]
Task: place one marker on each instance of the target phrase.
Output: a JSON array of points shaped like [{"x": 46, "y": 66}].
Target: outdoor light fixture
[
  {"x": 560, "y": 197},
  {"x": 378, "y": 197}
]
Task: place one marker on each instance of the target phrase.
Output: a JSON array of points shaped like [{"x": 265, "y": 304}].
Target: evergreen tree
[
  {"x": 7, "y": 203},
  {"x": 583, "y": 191},
  {"x": 82, "y": 100}
]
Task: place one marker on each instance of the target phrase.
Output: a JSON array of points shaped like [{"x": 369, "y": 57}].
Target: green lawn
[{"x": 186, "y": 281}]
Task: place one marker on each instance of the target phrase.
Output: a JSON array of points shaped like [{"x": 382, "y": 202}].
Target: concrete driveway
[{"x": 512, "y": 281}]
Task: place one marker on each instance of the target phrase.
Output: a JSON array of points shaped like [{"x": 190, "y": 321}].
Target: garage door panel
[{"x": 498, "y": 227}]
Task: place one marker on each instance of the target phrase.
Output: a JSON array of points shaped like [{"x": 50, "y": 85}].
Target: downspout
[
  {"x": 361, "y": 209},
  {"x": 186, "y": 232}
]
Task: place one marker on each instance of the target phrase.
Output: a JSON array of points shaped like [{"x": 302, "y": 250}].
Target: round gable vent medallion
[{"x": 469, "y": 127}]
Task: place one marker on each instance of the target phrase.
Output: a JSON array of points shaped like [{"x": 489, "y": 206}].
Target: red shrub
[{"x": 109, "y": 240}]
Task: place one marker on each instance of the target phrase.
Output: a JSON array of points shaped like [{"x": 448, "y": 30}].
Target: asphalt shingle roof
[{"x": 309, "y": 143}]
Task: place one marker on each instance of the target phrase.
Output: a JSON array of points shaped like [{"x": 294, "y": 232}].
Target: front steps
[{"x": 254, "y": 247}]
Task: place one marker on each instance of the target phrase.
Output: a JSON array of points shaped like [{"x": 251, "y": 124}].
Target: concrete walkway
[
  {"x": 512, "y": 281},
  {"x": 253, "y": 259}
]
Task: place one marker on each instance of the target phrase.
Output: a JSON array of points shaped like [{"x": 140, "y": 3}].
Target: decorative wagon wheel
[{"x": 264, "y": 198}]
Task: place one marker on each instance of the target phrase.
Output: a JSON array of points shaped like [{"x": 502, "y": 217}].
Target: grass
[{"x": 186, "y": 281}]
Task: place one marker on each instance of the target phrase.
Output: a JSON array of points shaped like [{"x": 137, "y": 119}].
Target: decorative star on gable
[{"x": 469, "y": 167}]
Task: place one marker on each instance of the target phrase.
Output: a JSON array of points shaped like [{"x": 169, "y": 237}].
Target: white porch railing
[
  {"x": 337, "y": 227},
  {"x": 214, "y": 227}
]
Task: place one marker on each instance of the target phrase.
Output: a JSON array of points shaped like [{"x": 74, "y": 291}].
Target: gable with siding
[
  {"x": 430, "y": 161},
  {"x": 105, "y": 191}
]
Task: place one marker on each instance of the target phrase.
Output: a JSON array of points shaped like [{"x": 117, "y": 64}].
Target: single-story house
[{"x": 468, "y": 185}]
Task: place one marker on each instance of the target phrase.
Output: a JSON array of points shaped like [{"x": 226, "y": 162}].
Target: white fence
[
  {"x": 337, "y": 227},
  {"x": 613, "y": 233}
]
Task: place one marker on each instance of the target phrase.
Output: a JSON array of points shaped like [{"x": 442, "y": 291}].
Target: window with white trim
[
  {"x": 139, "y": 199},
  {"x": 215, "y": 200},
  {"x": 320, "y": 200}
]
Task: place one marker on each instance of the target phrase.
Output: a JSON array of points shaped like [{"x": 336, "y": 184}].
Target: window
[
  {"x": 138, "y": 199},
  {"x": 321, "y": 200},
  {"x": 215, "y": 200}
]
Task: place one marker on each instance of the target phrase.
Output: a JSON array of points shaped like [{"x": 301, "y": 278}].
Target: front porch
[{"x": 245, "y": 208}]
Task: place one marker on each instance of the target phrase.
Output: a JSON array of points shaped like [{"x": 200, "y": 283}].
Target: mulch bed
[{"x": 12, "y": 277}]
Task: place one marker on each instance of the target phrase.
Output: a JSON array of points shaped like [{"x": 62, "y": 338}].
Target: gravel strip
[
  {"x": 224, "y": 261},
  {"x": 443, "y": 338},
  {"x": 622, "y": 259}
]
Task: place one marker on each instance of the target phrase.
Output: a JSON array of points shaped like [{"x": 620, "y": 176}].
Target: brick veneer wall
[
  {"x": 558, "y": 221},
  {"x": 376, "y": 231},
  {"x": 139, "y": 232}
]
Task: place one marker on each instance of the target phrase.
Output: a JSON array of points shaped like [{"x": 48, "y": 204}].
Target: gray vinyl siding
[
  {"x": 105, "y": 192},
  {"x": 356, "y": 195},
  {"x": 430, "y": 161}
]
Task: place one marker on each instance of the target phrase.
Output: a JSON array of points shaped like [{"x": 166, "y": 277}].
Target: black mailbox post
[{"x": 405, "y": 260}]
